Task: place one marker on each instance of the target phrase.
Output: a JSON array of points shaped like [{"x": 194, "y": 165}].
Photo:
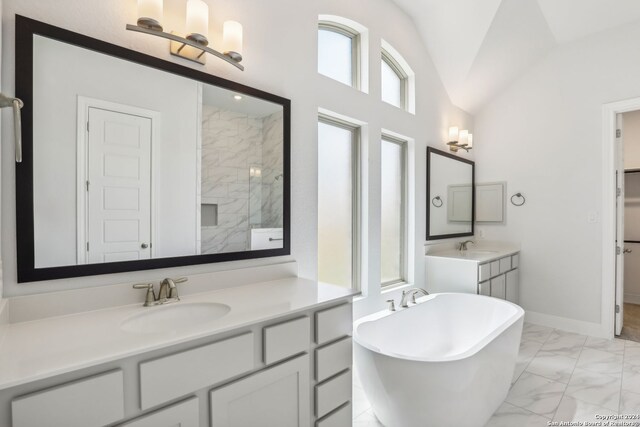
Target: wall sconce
[
  {"x": 460, "y": 139},
  {"x": 195, "y": 44}
]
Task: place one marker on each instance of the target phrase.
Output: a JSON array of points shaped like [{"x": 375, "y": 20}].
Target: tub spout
[{"x": 411, "y": 293}]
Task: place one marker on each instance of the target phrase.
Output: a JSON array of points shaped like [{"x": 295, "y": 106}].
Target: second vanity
[
  {"x": 273, "y": 353},
  {"x": 491, "y": 270}
]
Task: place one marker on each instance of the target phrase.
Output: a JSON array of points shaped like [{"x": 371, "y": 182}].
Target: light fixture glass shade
[
  {"x": 150, "y": 14},
  {"x": 232, "y": 40},
  {"x": 463, "y": 137},
  {"x": 470, "y": 141},
  {"x": 198, "y": 21},
  {"x": 453, "y": 133}
]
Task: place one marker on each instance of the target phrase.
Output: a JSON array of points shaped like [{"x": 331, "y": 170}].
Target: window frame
[
  {"x": 356, "y": 197},
  {"x": 403, "y": 211},
  {"x": 389, "y": 59},
  {"x": 354, "y": 35}
]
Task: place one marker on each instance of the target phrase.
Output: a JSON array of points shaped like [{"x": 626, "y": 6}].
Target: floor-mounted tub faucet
[
  {"x": 462, "y": 246},
  {"x": 411, "y": 293}
]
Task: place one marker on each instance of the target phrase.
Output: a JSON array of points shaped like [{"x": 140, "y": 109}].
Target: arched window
[
  {"x": 397, "y": 79},
  {"x": 394, "y": 82},
  {"x": 338, "y": 52}
]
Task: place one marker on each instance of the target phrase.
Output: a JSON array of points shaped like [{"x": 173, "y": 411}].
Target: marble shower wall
[
  {"x": 272, "y": 167},
  {"x": 235, "y": 149}
]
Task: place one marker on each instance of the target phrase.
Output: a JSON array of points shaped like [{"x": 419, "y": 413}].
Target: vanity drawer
[
  {"x": 484, "y": 272},
  {"x": 95, "y": 401},
  {"x": 505, "y": 264},
  {"x": 183, "y": 414},
  {"x": 515, "y": 261},
  {"x": 340, "y": 418},
  {"x": 333, "y": 393},
  {"x": 333, "y": 358},
  {"x": 333, "y": 323},
  {"x": 173, "y": 376},
  {"x": 286, "y": 339},
  {"x": 495, "y": 268}
]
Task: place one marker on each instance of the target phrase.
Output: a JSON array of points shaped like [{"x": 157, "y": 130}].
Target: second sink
[{"x": 174, "y": 317}]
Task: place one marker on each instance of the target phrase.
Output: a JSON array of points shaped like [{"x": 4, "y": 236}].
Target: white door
[
  {"x": 118, "y": 223},
  {"x": 619, "y": 226}
]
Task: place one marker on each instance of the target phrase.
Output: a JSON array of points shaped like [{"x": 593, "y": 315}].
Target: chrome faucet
[
  {"x": 462, "y": 246},
  {"x": 411, "y": 293},
  {"x": 168, "y": 292}
]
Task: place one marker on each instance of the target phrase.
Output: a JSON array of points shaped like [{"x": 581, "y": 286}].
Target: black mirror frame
[
  {"x": 26, "y": 28},
  {"x": 429, "y": 236}
]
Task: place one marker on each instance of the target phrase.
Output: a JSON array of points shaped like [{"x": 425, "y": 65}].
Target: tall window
[
  {"x": 394, "y": 81},
  {"x": 337, "y": 203},
  {"x": 338, "y": 53},
  {"x": 393, "y": 212}
]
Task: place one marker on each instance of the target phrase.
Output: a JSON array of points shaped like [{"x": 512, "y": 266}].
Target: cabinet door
[
  {"x": 513, "y": 286},
  {"x": 484, "y": 288},
  {"x": 498, "y": 287},
  {"x": 184, "y": 414},
  {"x": 273, "y": 397}
]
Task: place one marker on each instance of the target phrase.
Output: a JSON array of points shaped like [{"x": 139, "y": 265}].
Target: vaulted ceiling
[{"x": 480, "y": 46}]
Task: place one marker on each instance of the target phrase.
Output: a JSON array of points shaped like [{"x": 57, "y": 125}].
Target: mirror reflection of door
[{"x": 117, "y": 220}]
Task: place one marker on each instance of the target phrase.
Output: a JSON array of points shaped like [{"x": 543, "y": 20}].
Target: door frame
[
  {"x": 609, "y": 157},
  {"x": 82, "y": 139}
]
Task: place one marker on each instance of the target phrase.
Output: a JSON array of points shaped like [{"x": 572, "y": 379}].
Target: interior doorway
[
  {"x": 628, "y": 293},
  {"x": 114, "y": 197}
]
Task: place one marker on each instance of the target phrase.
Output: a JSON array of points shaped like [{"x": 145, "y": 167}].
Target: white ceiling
[
  {"x": 480, "y": 46},
  {"x": 224, "y": 99}
]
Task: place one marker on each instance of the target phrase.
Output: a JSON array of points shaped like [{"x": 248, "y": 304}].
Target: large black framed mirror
[
  {"x": 450, "y": 195},
  {"x": 131, "y": 162}
]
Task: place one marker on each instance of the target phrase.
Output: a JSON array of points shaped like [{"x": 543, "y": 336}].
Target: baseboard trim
[
  {"x": 567, "y": 324},
  {"x": 632, "y": 298}
]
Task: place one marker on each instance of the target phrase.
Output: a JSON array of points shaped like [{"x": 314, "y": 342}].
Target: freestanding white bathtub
[{"x": 447, "y": 361}]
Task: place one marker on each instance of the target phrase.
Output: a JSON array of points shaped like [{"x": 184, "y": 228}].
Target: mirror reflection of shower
[{"x": 242, "y": 175}]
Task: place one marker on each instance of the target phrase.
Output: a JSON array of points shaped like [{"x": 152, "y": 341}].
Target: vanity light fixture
[
  {"x": 460, "y": 139},
  {"x": 195, "y": 44},
  {"x": 237, "y": 97}
]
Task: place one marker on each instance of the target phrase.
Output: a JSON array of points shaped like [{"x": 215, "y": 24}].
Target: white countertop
[
  {"x": 43, "y": 348},
  {"x": 479, "y": 254}
]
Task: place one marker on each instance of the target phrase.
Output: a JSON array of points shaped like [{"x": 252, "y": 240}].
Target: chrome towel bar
[{"x": 16, "y": 104}]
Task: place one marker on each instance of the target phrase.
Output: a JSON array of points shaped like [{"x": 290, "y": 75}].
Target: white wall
[
  {"x": 543, "y": 135},
  {"x": 280, "y": 57},
  {"x": 97, "y": 76}
]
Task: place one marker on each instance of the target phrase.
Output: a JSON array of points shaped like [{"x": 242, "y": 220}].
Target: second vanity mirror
[
  {"x": 450, "y": 195},
  {"x": 132, "y": 162}
]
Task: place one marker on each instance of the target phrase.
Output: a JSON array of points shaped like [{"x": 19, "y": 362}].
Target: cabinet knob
[{"x": 144, "y": 246}]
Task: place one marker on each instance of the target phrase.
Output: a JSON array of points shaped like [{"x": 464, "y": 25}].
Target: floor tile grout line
[{"x": 564, "y": 394}]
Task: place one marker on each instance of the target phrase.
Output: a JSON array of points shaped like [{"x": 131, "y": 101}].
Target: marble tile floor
[{"x": 559, "y": 376}]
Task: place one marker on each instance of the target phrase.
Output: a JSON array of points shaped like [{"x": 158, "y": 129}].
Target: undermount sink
[{"x": 174, "y": 317}]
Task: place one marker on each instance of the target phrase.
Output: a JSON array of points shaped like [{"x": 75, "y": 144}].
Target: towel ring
[
  {"x": 436, "y": 199},
  {"x": 519, "y": 196}
]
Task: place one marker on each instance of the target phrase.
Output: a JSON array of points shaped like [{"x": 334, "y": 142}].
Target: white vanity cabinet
[
  {"x": 288, "y": 371},
  {"x": 277, "y": 396},
  {"x": 485, "y": 272},
  {"x": 183, "y": 414}
]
